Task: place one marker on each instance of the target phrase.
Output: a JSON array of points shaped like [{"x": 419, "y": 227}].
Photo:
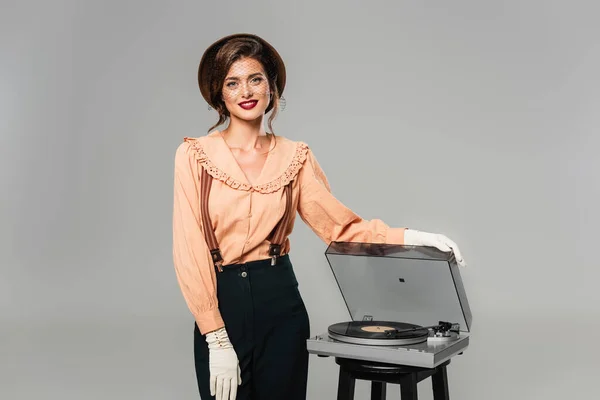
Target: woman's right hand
[{"x": 225, "y": 373}]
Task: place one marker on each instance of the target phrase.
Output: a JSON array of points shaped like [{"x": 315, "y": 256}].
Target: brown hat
[{"x": 205, "y": 68}]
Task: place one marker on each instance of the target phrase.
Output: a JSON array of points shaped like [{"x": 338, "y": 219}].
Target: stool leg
[
  {"x": 408, "y": 387},
  {"x": 378, "y": 390},
  {"x": 345, "y": 385},
  {"x": 439, "y": 381}
]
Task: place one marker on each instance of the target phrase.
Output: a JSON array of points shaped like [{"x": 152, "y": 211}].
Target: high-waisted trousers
[{"x": 268, "y": 325}]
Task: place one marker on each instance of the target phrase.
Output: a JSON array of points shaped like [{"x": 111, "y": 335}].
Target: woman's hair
[{"x": 229, "y": 53}]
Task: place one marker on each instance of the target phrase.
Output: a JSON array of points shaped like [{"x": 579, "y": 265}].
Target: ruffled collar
[{"x": 281, "y": 166}]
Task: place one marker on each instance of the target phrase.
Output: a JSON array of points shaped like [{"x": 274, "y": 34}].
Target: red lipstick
[{"x": 248, "y": 105}]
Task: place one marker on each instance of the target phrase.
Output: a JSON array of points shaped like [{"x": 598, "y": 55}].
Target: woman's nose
[{"x": 246, "y": 89}]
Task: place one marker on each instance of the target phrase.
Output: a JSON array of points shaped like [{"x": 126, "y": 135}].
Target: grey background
[{"x": 474, "y": 119}]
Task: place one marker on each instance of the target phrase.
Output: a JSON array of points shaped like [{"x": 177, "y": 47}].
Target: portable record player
[{"x": 407, "y": 304}]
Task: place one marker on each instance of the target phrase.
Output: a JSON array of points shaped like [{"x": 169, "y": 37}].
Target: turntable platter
[{"x": 378, "y": 333}]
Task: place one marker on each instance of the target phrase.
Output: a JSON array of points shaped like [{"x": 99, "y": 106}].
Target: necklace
[{"x": 242, "y": 150}]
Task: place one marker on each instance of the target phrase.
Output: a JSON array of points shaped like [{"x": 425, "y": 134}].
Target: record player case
[{"x": 383, "y": 287}]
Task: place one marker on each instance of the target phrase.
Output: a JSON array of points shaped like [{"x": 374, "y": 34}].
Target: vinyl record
[{"x": 382, "y": 333}]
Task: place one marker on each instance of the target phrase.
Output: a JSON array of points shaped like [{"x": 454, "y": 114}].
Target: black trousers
[{"x": 268, "y": 325}]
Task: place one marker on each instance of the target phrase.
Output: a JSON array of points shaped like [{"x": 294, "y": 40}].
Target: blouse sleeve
[
  {"x": 191, "y": 258},
  {"x": 329, "y": 218}
]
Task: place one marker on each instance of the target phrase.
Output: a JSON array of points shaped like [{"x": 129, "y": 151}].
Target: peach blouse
[{"x": 243, "y": 215}]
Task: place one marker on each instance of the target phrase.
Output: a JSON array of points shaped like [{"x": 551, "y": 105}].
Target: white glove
[
  {"x": 225, "y": 373},
  {"x": 417, "y": 238}
]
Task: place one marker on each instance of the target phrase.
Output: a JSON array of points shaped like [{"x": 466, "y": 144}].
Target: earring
[{"x": 282, "y": 103}]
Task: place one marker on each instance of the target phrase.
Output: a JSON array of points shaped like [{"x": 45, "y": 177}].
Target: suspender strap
[
  {"x": 279, "y": 235},
  {"x": 209, "y": 233}
]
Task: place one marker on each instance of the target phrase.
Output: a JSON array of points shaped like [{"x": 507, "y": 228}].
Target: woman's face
[{"x": 246, "y": 90}]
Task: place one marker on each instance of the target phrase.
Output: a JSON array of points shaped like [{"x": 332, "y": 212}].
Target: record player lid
[{"x": 411, "y": 284}]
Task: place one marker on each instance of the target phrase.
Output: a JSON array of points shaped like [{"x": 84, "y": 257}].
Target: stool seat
[
  {"x": 377, "y": 367},
  {"x": 380, "y": 374}
]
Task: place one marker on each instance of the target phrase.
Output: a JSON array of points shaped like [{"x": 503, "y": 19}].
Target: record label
[{"x": 376, "y": 328}]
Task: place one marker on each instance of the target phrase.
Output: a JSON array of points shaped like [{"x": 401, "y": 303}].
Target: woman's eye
[{"x": 230, "y": 84}]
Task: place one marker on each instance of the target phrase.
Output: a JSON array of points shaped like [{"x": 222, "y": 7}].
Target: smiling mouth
[{"x": 247, "y": 105}]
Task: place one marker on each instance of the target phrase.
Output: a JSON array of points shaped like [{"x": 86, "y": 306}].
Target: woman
[{"x": 235, "y": 197}]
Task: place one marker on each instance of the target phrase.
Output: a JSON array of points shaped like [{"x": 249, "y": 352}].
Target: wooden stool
[{"x": 381, "y": 374}]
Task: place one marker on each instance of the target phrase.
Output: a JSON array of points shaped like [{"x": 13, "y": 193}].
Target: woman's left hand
[{"x": 417, "y": 238}]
